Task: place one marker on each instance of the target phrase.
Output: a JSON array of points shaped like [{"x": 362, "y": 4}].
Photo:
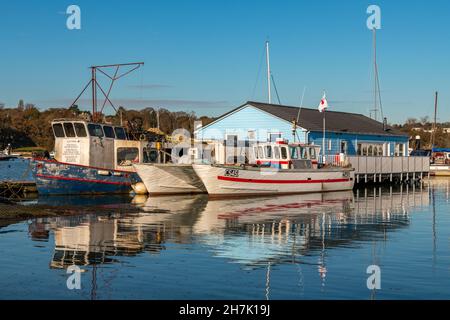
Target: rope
[
  {"x": 275, "y": 87},
  {"x": 259, "y": 72}
]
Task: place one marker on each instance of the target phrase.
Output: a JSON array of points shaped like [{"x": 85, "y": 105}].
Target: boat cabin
[
  {"x": 97, "y": 145},
  {"x": 282, "y": 155}
]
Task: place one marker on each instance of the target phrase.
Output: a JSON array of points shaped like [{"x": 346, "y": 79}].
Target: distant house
[{"x": 349, "y": 133}]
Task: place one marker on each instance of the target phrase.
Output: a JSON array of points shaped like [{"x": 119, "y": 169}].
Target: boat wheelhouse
[
  {"x": 282, "y": 155},
  {"x": 97, "y": 145}
]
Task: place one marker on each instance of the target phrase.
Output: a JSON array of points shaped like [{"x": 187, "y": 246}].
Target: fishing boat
[
  {"x": 440, "y": 162},
  {"x": 280, "y": 168},
  {"x": 91, "y": 156},
  {"x": 171, "y": 171}
]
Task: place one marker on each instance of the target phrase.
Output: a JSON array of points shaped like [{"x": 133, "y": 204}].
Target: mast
[
  {"x": 433, "y": 131},
  {"x": 377, "y": 106},
  {"x": 96, "y": 114},
  {"x": 268, "y": 71}
]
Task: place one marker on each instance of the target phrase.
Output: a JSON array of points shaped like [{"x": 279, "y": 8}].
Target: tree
[{"x": 20, "y": 105}]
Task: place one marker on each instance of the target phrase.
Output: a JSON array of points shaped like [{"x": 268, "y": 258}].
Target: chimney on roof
[{"x": 384, "y": 124}]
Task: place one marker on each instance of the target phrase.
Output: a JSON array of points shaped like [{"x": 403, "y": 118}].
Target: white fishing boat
[
  {"x": 280, "y": 168},
  {"x": 169, "y": 178}
]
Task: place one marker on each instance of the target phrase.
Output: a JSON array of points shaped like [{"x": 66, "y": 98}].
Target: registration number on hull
[{"x": 231, "y": 173}]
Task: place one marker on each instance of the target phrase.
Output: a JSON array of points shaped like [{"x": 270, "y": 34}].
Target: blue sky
[{"x": 204, "y": 56}]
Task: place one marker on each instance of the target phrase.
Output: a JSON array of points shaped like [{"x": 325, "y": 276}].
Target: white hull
[
  {"x": 161, "y": 179},
  {"x": 235, "y": 181},
  {"x": 440, "y": 170}
]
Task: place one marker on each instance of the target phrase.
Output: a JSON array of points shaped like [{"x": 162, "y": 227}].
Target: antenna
[
  {"x": 268, "y": 70},
  {"x": 94, "y": 84}
]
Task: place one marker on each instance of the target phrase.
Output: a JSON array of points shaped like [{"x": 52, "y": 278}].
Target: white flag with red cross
[{"x": 323, "y": 103}]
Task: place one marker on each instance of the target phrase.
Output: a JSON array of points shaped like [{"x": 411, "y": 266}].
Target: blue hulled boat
[{"x": 90, "y": 158}]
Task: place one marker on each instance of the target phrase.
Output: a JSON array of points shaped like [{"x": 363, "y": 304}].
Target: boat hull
[
  {"x": 55, "y": 178},
  {"x": 439, "y": 170},
  {"x": 235, "y": 181},
  {"x": 162, "y": 179}
]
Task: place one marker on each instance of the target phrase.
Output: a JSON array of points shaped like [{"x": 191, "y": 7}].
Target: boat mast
[
  {"x": 268, "y": 71},
  {"x": 433, "y": 131},
  {"x": 96, "y": 114}
]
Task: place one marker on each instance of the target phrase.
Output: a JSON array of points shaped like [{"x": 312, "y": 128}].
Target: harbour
[
  {"x": 217, "y": 159},
  {"x": 314, "y": 246}
]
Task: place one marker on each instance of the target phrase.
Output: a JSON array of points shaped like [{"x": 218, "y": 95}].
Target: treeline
[
  {"x": 27, "y": 126},
  {"x": 423, "y": 127}
]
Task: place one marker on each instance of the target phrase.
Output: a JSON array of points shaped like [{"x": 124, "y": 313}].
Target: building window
[
  {"x": 231, "y": 140},
  {"x": 274, "y": 136},
  {"x": 329, "y": 144},
  {"x": 344, "y": 146},
  {"x": 399, "y": 150},
  {"x": 251, "y": 134},
  {"x": 359, "y": 149}
]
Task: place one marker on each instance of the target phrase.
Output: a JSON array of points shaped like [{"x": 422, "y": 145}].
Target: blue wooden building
[{"x": 349, "y": 133}]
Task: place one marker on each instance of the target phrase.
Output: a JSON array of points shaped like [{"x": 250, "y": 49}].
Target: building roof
[{"x": 336, "y": 121}]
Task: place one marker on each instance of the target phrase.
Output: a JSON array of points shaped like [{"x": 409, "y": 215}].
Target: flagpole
[{"x": 323, "y": 138}]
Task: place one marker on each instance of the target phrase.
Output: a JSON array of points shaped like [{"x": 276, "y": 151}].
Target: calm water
[{"x": 314, "y": 246}]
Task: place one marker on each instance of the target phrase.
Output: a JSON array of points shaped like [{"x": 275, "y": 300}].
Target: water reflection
[{"x": 257, "y": 232}]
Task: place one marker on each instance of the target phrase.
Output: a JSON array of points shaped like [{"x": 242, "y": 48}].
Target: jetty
[{"x": 389, "y": 169}]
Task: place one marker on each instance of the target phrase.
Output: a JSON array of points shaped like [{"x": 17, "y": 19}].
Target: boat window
[
  {"x": 120, "y": 133},
  {"x": 109, "y": 132},
  {"x": 276, "y": 152},
  {"x": 268, "y": 152},
  {"x": 294, "y": 152},
  {"x": 260, "y": 153},
  {"x": 283, "y": 153},
  {"x": 127, "y": 156},
  {"x": 70, "y": 131},
  {"x": 150, "y": 155},
  {"x": 95, "y": 130},
  {"x": 80, "y": 129},
  {"x": 58, "y": 130},
  {"x": 312, "y": 153},
  {"x": 304, "y": 153}
]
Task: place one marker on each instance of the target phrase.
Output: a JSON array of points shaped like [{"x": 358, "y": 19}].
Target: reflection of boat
[{"x": 280, "y": 169}]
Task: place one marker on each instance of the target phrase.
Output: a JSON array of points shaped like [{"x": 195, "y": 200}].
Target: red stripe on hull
[
  {"x": 82, "y": 180},
  {"x": 79, "y": 165},
  {"x": 233, "y": 179}
]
